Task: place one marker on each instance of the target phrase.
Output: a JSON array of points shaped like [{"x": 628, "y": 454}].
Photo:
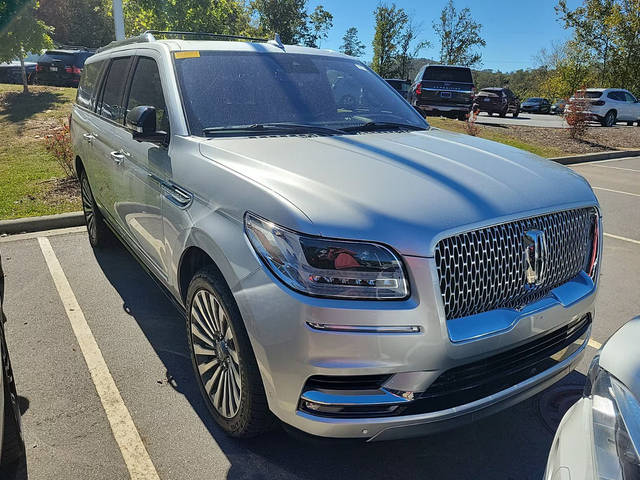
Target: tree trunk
[{"x": 25, "y": 83}]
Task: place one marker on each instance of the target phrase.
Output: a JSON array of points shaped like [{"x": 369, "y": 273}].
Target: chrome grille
[{"x": 484, "y": 269}]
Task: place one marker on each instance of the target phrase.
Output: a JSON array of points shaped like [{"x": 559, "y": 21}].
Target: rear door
[
  {"x": 109, "y": 136},
  {"x": 633, "y": 107},
  {"x": 617, "y": 102}
]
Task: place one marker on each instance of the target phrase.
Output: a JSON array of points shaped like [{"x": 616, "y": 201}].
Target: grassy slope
[{"x": 25, "y": 165}]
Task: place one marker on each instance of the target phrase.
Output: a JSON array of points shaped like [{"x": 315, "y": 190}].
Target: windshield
[
  {"x": 226, "y": 89},
  {"x": 533, "y": 100}
]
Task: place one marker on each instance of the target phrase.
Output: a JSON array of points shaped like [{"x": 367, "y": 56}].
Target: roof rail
[
  {"x": 71, "y": 47},
  {"x": 145, "y": 37},
  {"x": 219, "y": 36}
]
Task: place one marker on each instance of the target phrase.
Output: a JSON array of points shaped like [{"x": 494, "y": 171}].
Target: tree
[
  {"x": 288, "y": 18},
  {"x": 21, "y": 32},
  {"x": 408, "y": 48},
  {"x": 459, "y": 35},
  {"x": 351, "y": 44},
  {"x": 78, "y": 22},
  {"x": 320, "y": 22},
  {"x": 390, "y": 22}
]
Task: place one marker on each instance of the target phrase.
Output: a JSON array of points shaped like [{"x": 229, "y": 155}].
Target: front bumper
[
  {"x": 289, "y": 351},
  {"x": 570, "y": 455}
]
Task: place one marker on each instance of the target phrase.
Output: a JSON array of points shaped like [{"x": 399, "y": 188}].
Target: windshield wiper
[
  {"x": 258, "y": 128},
  {"x": 371, "y": 126}
]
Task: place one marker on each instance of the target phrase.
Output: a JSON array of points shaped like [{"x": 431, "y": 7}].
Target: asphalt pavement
[
  {"x": 69, "y": 426},
  {"x": 531, "y": 120}
]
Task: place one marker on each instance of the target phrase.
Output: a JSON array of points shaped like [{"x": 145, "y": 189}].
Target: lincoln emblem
[{"x": 535, "y": 256}]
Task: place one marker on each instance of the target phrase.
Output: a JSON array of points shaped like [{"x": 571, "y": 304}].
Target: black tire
[
  {"x": 609, "y": 119},
  {"x": 516, "y": 113},
  {"x": 490, "y": 114},
  {"x": 252, "y": 416},
  {"x": 12, "y": 441},
  {"x": 463, "y": 116},
  {"x": 503, "y": 113},
  {"x": 99, "y": 234},
  {"x": 629, "y": 124}
]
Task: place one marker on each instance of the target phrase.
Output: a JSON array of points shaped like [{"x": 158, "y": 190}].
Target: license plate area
[
  {"x": 445, "y": 94},
  {"x": 53, "y": 69}
]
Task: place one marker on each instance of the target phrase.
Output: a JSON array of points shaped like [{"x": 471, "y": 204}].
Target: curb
[
  {"x": 594, "y": 157},
  {"x": 46, "y": 222}
]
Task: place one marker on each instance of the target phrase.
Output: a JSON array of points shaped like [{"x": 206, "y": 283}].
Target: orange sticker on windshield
[{"x": 193, "y": 54}]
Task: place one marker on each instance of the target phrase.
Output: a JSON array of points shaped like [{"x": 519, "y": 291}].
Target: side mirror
[{"x": 141, "y": 121}]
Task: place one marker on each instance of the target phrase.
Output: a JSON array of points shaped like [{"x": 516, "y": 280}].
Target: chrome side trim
[{"x": 326, "y": 327}]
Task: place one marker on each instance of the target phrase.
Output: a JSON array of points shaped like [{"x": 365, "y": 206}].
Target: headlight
[
  {"x": 616, "y": 426},
  {"x": 327, "y": 267}
]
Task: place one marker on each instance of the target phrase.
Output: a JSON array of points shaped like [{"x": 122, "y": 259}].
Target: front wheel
[
  {"x": 516, "y": 113},
  {"x": 463, "y": 116},
  {"x": 223, "y": 359}
]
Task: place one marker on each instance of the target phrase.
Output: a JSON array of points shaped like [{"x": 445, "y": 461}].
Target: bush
[
  {"x": 59, "y": 144},
  {"x": 576, "y": 115},
  {"x": 470, "y": 126}
]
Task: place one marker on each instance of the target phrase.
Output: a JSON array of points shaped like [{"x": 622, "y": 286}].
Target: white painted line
[
  {"x": 594, "y": 344},
  {"x": 617, "y": 168},
  {"x": 45, "y": 233},
  {"x": 602, "y": 161},
  {"x": 618, "y": 237},
  {"x": 616, "y": 191},
  {"x": 124, "y": 430}
]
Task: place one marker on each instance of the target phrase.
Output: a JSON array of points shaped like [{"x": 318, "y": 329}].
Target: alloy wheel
[
  {"x": 215, "y": 352},
  {"x": 88, "y": 207}
]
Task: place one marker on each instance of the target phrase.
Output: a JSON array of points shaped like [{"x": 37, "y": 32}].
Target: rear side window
[
  {"x": 88, "y": 83},
  {"x": 146, "y": 89},
  {"x": 448, "y": 74},
  {"x": 629, "y": 98},
  {"x": 619, "y": 96},
  {"x": 110, "y": 106},
  {"x": 80, "y": 58}
]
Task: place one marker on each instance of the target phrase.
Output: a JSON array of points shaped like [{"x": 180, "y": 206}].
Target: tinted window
[
  {"x": 619, "y": 96},
  {"x": 629, "y": 98},
  {"x": 221, "y": 89},
  {"x": 587, "y": 94},
  {"x": 80, "y": 58},
  {"x": 448, "y": 74},
  {"x": 111, "y": 105},
  {"x": 88, "y": 83},
  {"x": 420, "y": 74},
  {"x": 146, "y": 89},
  {"x": 57, "y": 57}
]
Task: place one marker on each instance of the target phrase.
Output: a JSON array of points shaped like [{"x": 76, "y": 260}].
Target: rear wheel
[
  {"x": 609, "y": 119},
  {"x": 629, "y": 124},
  {"x": 462, "y": 116},
  {"x": 516, "y": 113},
  {"x": 503, "y": 113},
  {"x": 96, "y": 228},
  {"x": 223, "y": 359}
]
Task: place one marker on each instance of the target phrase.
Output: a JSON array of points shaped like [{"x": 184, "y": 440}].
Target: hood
[
  {"x": 620, "y": 355},
  {"x": 407, "y": 190}
]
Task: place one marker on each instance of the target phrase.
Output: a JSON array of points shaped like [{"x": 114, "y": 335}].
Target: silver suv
[{"x": 343, "y": 266}]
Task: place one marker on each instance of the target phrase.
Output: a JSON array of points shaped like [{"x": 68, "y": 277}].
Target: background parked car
[
  {"x": 443, "y": 89},
  {"x": 11, "y": 442},
  {"x": 62, "y": 67},
  {"x": 536, "y": 105},
  {"x": 402, "y": 86},
  {"x": 599, "y": 437},
  {"x": 11, "y": 72},
  {"x": 610, "y": 105},
  {"x": 498, "y": 100},
  {"x": 558, "y": 107}
]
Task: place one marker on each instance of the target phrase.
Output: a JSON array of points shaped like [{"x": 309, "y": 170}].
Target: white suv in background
[{"x": 611, "y": 105}]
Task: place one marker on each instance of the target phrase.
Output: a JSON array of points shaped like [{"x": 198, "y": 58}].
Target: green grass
[
  {"x": 26, "y": 168},
  {"x": 457, "y": 126}
]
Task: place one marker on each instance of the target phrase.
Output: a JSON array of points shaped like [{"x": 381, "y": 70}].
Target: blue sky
[{"x": 515, "y": 30}]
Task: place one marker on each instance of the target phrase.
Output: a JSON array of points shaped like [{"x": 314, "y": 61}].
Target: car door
[
  {"x": 617, "y": 102},
  {"x": 633, "y": 107},
  {"x": 147, "y": 166},
  {"x": 109, "y": 135}
]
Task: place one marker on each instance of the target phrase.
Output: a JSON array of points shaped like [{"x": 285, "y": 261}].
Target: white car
[
  {"x": 611, "y": 105},
  {"x": 599, "y": 437}
]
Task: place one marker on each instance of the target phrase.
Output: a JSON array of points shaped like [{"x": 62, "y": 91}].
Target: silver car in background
[
  {"x": 343, "y": 266},
  {"x": 599, "y": 437}
]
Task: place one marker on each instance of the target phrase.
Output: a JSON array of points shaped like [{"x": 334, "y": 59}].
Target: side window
[
  {"x": 146, "y": 89},
  {"x": 110, "y": 106},
  {"x": 419, "y": 75},
  {"x": 88, "y": 84},
  {"x": 630, "y": 98},
  {"x": 616, "y": 96}
]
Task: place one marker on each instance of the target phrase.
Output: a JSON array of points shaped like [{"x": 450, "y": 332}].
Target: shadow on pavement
[{"x": 512, "y": 444}]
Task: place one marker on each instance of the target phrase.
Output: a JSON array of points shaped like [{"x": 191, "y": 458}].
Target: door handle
[
  {"x": 118, "y": 157},
  {"x": 88, "y": 137}
]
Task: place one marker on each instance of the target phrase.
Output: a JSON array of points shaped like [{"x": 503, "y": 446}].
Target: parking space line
[
  {"x": 617, "y": 168},
  {"x": 617, "y": 191},
  {"x": 594, "y": 344},
  {"x": 618, "y": 237},
  {"x": 124, "y": 430}
]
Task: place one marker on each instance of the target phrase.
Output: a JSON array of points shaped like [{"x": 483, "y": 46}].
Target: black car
[
  {"x": 536, "y": 105},
  {"x": 558, "y": 107},
  {"x": 11, "y": 441},
  {"x": 11, "y": 72},
  {"x": 443, "y": 90},
  {"x": 402, "y": 86},
  {"x": 498, "y": 100},
  {"x": 62, "y": 68}
]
